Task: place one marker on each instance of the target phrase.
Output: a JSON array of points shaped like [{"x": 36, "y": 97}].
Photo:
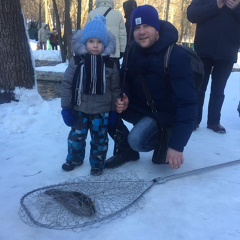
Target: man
[
  {"x": 217, "y": 41},
  {"x": 43, "y": 36},
  {"x": 115, "y": 24},
  {"x": 175, "y": 98}
]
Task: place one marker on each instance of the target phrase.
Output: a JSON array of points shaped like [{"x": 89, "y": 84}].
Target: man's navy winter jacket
[
  {"x": 218, "y": 30},
  {"x": 175, "y": 100}
]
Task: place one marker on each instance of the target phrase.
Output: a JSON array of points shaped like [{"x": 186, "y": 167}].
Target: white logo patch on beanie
[{"x": 138, "y": 21}]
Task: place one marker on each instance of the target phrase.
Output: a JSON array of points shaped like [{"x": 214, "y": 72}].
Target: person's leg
[
  {"x": 99, "y": 142},
  {"x": 143, "y": 136},
  {"x": 44, "y": 45},
  {"x": 208, "y": 64},
  {"x": 220, "y": 74},
  {"x": 122, "y": 151},
  {"x": 54, "y": 46},
  {"x": 76, "y": 142}
]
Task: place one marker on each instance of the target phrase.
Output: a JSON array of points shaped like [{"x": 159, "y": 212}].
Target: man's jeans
[{"x": 143, "y": 136}]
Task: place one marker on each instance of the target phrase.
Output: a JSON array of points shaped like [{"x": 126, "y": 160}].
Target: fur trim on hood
[
  {"x": 104, "y": 3},
  {"x": 79, "y": 48}
]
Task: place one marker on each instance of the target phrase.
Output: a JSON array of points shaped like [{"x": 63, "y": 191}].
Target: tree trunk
[
  {"x": 16, "y": 68},
  {"x": 79, "y": 13},
  {"x": 40, "y": 15},
  {"x": 46, "y": 12},
  {"x": 167, "y": 10},
  {"x": 90, "y": 5},
  {"x": 182, "y": 21},
  {"x": 67, "y": 30},
  {"x": 59, "y": 30}
]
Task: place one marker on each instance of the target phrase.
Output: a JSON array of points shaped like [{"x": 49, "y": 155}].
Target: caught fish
[{"x": 76, "y": 202}]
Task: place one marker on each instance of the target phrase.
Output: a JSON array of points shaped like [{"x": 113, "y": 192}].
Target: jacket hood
[
  {"x": 79, "y": 48},
  {"x": 168, "y": 34},
  {"x": 105, "y": 3}
]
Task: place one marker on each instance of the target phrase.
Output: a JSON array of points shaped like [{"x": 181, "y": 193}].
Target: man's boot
[{"x": 122, "y": 152}]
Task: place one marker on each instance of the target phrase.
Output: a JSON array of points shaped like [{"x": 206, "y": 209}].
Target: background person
[
  {"x": 115, "y": 24},
  {"x": 217, "y": 41},
  {"x": 43, "y": 34},
  {"x": 53, "y": 39},
  {"x": 128, "y": 8}
]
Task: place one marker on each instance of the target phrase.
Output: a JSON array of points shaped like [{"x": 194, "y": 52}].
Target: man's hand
[
  {"x": 232, "y": 4},
  {"x": 174, "y": 158},
  {"x": 221, "y": 3},
  {"x": 122, "y": 104}
]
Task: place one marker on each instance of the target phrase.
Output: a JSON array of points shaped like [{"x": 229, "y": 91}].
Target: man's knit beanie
[
  {"x": 96, "y": 29},
  {"x": 146, "y": 14}
]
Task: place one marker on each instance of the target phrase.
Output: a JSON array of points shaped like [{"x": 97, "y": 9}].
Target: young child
[{"x": 90, "y": 89}]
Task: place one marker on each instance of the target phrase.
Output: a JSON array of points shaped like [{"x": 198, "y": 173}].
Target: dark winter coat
[
  {"x": 53, "y": 38},
  {"x": 128, "y": 7},
  {"x": 175, "y": 100},
  {"x": 96, "y": 103},
  {"x": 218, "y": 30}
]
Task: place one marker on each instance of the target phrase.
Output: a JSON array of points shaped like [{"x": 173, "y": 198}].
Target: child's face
[{"x": 94, "y": 46}]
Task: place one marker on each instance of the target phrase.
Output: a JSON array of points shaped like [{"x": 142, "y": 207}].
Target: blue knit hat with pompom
[{"x": 96, "y": 29}]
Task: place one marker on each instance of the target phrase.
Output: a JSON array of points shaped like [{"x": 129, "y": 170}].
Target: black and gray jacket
[{"x": 81, "y": 93}]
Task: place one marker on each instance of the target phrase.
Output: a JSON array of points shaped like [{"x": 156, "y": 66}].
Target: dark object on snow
[
  {"x": 76, "y": 202},
  {"x": 238, "y": 109},
  {"x": 7, "y": 96}
]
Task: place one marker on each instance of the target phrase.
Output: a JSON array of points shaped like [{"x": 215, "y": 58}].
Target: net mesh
[{"x": 84, "y": 202}]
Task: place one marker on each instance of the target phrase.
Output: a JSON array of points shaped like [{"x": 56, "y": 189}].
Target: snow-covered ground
[{"x": 206, "y": 206}]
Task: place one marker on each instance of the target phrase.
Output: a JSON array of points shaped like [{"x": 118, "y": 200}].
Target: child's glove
[
  {"x": 113, "y": 119},
  {"x": 68, "y": 117}
]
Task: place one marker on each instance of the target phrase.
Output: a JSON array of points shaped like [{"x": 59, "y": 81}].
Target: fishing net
[
  {"x": 84, "y": 202},
  {"x": 88, "y": 202}
]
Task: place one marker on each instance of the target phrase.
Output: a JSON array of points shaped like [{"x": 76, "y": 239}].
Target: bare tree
[
  {"x": 79, "y": 13},
  {"x": 40, "y": 15},
  {"x": 90, "y": 5},
  {"x": 16, "y": 68},
  {"x": 167, "y": 10},
  {"x": 67, "y": 30},
  {"x": 55, "y": 9}
]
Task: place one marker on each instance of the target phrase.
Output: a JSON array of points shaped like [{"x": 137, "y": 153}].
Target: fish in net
[{"x": 84, "y": 202}]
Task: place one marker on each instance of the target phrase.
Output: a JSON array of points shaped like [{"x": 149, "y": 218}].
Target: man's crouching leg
[{"x": 122, "y": 153}]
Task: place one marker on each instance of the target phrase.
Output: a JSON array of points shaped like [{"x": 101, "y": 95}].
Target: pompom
[{"x": 100, "y": 18}]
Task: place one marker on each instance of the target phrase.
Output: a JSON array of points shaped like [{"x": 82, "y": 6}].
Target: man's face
[{"x": 145, "y": 35}]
